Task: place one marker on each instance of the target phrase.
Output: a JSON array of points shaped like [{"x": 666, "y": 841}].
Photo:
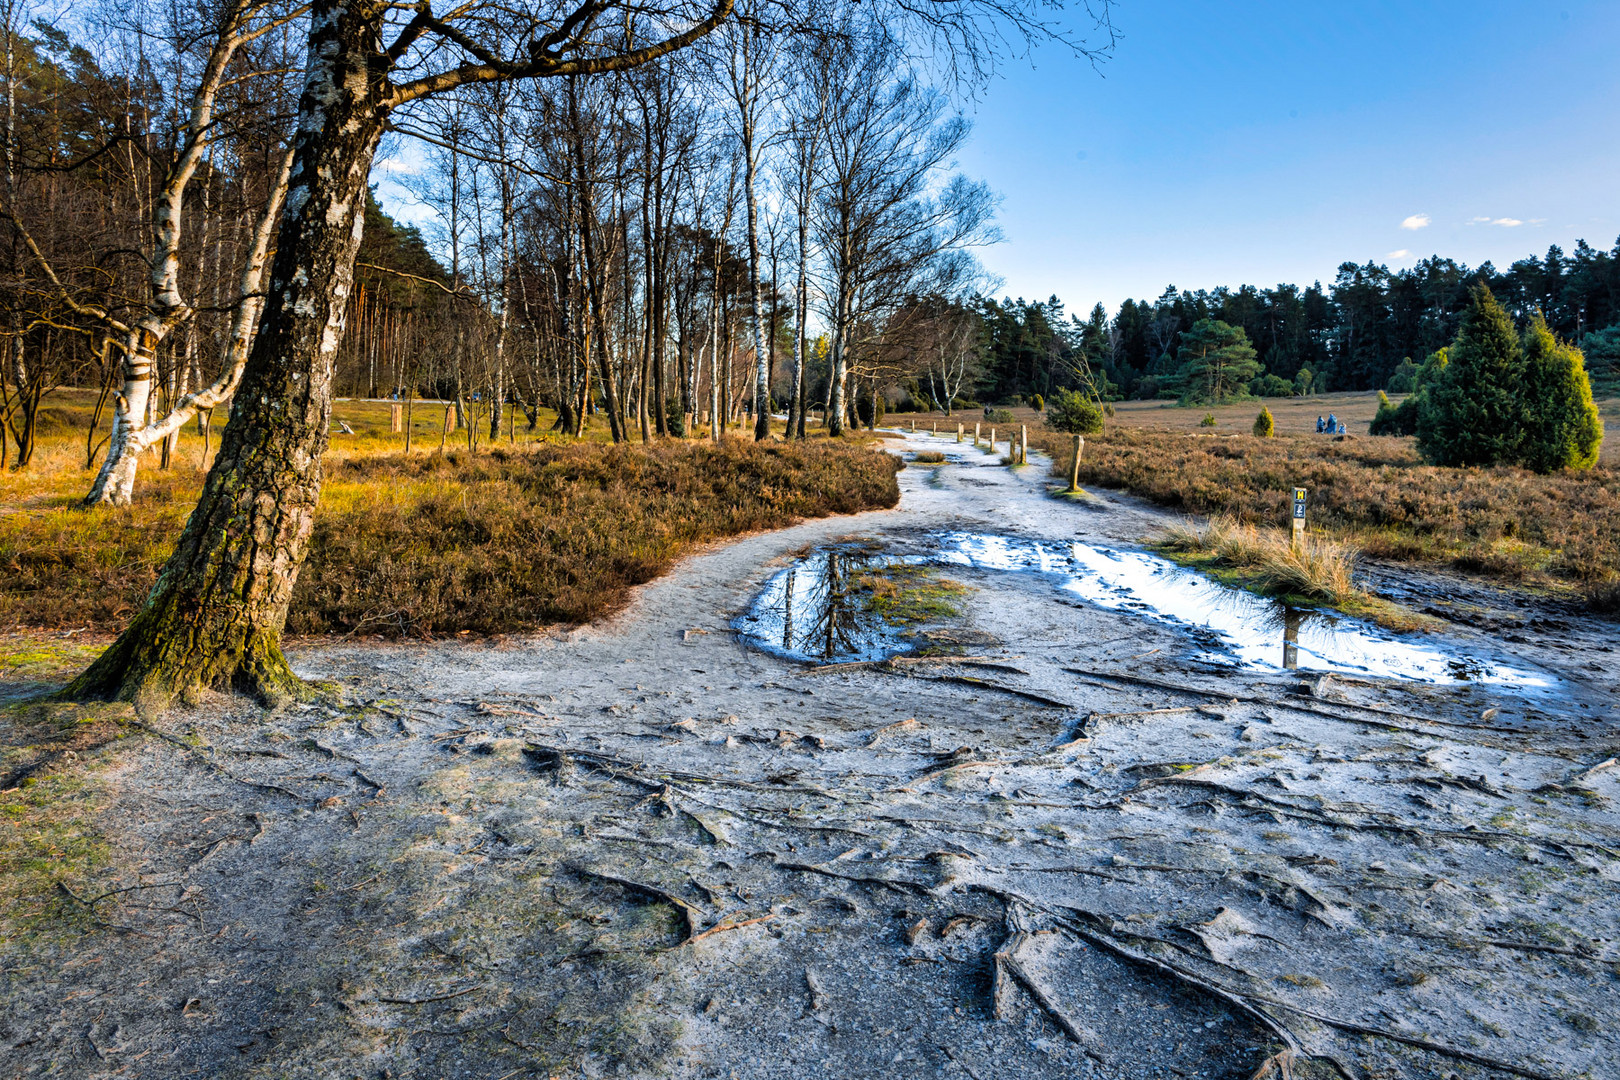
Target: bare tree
[{"x": 218, "y": 609}]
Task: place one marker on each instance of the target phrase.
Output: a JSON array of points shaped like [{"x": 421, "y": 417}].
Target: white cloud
[
  {"x": 1480, "y": 221},
  {"x": 1507, "y": 222},
  {"x": 1415, "y": 222},
  {"x": 1401, "y": 254}
]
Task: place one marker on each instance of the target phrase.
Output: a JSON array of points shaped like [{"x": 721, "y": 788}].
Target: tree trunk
[{"x": 216, "y": 614}]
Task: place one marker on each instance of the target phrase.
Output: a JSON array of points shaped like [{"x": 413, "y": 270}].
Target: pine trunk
[{"x": 216, "y": 614}]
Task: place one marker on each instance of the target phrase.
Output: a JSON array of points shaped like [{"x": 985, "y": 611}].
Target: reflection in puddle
[
  {"x": 1237, "y": 624},
  {"x": 808, "y": 611}
]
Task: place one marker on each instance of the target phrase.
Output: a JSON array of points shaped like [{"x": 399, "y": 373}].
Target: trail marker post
[{"x": 1299, "y": 518}]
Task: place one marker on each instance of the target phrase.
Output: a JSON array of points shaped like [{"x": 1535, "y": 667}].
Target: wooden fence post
[
  {"x": 1023, "y": 444},
  {"x": 958, "y": 432},
  {"x": 976, "y": 435},
  {"x": 992, "y": 440},
  {"x": 396, "y": 418},
  {"x": 1074, "y": 468}
]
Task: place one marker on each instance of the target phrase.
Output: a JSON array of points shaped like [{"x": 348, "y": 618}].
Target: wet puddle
[
  {"x": 817, "y": 610},
  {"x": 814, "y": 610}
]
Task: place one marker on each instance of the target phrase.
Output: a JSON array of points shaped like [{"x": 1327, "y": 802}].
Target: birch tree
[{"x": 238, "y": 23}]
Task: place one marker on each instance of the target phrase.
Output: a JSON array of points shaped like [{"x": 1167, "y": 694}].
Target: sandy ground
[{"x": 640, "y": 849}]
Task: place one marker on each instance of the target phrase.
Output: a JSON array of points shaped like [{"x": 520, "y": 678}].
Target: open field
[
  {"x": 1297, "y": 416},
  {"x": 1560, "y": 531},
  {"x": 527, "y": 532}
]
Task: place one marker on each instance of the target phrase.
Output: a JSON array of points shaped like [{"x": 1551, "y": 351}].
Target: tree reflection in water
[{"x": 832, "y": 612}]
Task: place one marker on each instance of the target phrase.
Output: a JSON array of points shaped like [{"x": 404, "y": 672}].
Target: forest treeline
[{"x": 1355, "y": 334}]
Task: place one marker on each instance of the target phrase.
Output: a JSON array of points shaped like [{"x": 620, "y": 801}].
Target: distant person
[
  {"x": 1333, "y": 423},
  {"x": 1341, "y": 428},
  {"x": 1321, "y": 425}
]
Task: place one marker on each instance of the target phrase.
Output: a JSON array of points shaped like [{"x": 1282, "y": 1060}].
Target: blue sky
[{"x": 1267, "y": 141}]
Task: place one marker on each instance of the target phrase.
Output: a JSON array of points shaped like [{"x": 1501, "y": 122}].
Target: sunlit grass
[{"x": 533, "y": 529}]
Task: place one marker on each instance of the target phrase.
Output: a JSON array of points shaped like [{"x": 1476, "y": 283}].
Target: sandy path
[{"x": 506, "y": 861}]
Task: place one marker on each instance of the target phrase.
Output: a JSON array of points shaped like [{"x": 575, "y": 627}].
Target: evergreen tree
[
  {"x": 1218, "y": 363},
  {"x": 1472, "y": 414},
  {"x": 1264, "y": 426},
  {"x": 1404, "y": 380},
  {"x": 1562, "y": 429},
  {"x": 1074, "y": 412}
]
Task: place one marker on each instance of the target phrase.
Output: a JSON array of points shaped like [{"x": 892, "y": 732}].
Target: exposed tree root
[
  {"x": 692, "y": 915},
  {"x": 1008, "y": 964},
  {"x": 1250, "y": 1003},
  {"x": 1247, "y": 797},
  {"x": 208, "y": 760},
  {"x": 985, "y": 684},
  {"x": 1385, "y": 718}
]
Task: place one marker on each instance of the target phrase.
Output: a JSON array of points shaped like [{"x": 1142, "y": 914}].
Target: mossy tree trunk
[{"x": 215, "y": 616}]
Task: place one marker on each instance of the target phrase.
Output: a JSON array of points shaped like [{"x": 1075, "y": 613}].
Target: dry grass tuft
[{"x": 1319, "y": 569}]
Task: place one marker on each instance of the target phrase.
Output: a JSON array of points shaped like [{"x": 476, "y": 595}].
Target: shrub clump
[
  {"x": 1208, "y": 420},
  {"x": 1074, "y": 412},
  {"x": 1264, "y": 426},
  {"x": 1503, "y": 400},
  {"x": 998, "y": 416}
]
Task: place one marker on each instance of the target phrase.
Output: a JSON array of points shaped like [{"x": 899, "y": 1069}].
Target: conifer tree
[
  {"x": 1472, "y": 413},
  {"x": 1217, "y": 363},
  {"x": 1264, "y": 426},
  {"x": 1562, "y": 428}
]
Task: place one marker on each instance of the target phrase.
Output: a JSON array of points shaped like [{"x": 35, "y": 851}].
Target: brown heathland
[
  {"x": 510, "y": 538},
  {"x": 1561, "y": 530}
]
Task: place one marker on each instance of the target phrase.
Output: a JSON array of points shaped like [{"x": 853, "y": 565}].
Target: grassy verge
[
  {"x": 909, "y": 595},
  {"x": 1558, "y": 532},
  {"x": 507, "y": 539}
]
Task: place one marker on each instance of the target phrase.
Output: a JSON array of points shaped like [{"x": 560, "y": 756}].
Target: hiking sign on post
[{"x": 1299, "y": 516}]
